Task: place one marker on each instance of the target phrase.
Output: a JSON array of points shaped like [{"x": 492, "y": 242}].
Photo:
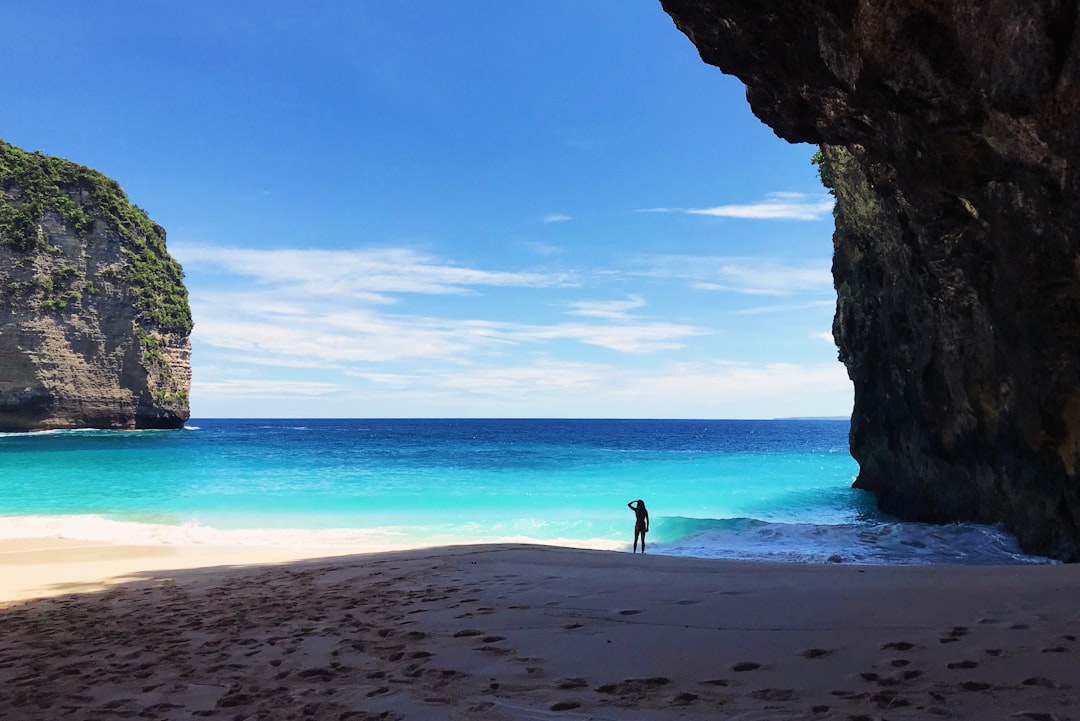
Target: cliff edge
[
  {"x": 950, "y": 132},
  {"x": 94, "y": 316}
]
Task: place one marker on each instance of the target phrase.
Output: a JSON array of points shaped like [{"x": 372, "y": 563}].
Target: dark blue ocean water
[{"x": 769, "y": 490}]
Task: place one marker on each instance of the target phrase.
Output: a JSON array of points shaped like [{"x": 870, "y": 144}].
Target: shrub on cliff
[{"x": 33, "y": 185}]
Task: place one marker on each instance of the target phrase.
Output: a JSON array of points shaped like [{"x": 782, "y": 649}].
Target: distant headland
[{"x": 94, "y": 315}]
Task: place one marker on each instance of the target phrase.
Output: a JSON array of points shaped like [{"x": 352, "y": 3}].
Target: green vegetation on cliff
[
  {"x": 33, "y": 185},
  {"x": 824, "y": 170}
]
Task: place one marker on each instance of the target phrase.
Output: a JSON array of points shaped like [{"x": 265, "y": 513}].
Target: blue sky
[{"x": 448, "y": 209}]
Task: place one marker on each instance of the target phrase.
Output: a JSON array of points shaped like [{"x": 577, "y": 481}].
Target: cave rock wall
[{"x": 951, "y": 130}]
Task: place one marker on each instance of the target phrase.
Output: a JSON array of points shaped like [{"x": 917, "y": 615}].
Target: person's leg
[
  {"x": 643, "y": 541},
  {"x": 636, "y": 534}
]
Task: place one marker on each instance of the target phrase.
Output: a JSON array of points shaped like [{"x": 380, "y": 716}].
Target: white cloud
[
  {"x": 746, "y": 390},
  {"x": 541, "y": 249},
  {"x": 826, "y": 336},
  {"x": 327, "y": 336},
  {"x": 366, "y": 274},
  {"x": 540, "y": 379},
  {"x": 611, "y": 309},
  {"x": 630, "y": 338},
  {"x": 783, "y": 308},
  {"x": 749, "y": 276},
  {"x": 775, "y": 206},
  {"x": 547, "y": 387},
  {"x": 282, "y": 332},
  {"x": 557, "y": 218},
  {"x": 264, "y": 388}
]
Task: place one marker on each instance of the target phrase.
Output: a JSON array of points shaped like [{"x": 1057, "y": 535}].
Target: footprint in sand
[
  {"x": 496, "y": 650},
  {"x": 571, "y": 683},
  {"x": 565, "y": 705},
  {"x": 963, "y": 664},
  {"x": 687, "y": 603},
  {"x": 468, "y": 632},
  {"x": 774, "y": 694},
  {"x": 571, "y": 626},
  {"x": 889, "y": 699},
  {"x": 1055, "y": 649},
  {"x": 746, "y": 666},
  {"x": 897, "y": 646},
  {"x": 955, "y": 634},
  {"x": 629, "y": 612},
  {"x": 633, "y": 685},
  {"x": 816, "y": 653}
]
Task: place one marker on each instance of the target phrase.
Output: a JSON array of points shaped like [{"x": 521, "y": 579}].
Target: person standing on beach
[{"x": 641, "y": 527}]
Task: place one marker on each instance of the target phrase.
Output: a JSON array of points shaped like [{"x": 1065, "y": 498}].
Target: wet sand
[{"x": 528, "y": 632}]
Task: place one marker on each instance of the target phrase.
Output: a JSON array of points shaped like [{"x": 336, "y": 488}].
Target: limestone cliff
[
  {"x": 94, "y": 318},
  {"x": 951, "y": 130}
]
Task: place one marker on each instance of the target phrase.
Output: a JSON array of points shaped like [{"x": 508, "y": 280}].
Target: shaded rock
[{"x": 950, "y": 136}]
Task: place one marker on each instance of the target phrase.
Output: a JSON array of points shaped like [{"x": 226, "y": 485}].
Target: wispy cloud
[
  {"x": 540, "y": 249},
  {"x": 364, "y": 274},
  {"x": 784, "y": 308},
  {"x": 552, "y": 387},
  {"x": 366, "y": 329},
  {"x": 775, "y": 206},
  {"x": 630, "y": 338},
  {"x": 611, "y": 309},
  {"x": 557, "y": 218},
  {"x": 745, "y": 275},
  {"x": 265, "y": 388},
  {"x": 329, "y": 337}
]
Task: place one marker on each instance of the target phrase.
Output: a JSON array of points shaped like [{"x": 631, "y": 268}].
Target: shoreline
[{"x": 514, "y": 631}]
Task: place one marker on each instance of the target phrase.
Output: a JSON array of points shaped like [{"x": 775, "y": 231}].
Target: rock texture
[
  {"x": 94, "y": 319},
  {"x": 952, "y": 131}
]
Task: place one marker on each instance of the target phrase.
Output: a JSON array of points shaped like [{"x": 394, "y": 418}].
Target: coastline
[{"x": 512, "y": 631}]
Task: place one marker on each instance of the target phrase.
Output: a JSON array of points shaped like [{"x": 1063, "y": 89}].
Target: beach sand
[{"x": 526, "y": 632}]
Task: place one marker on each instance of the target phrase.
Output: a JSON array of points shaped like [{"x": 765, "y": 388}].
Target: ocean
[{"x": 754, "y": 490}]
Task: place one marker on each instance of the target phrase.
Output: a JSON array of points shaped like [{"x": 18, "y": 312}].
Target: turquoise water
[{"x": 776, "y": 490}]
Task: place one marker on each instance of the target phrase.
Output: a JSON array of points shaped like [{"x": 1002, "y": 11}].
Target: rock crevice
[{"x": 950, "y": 130}]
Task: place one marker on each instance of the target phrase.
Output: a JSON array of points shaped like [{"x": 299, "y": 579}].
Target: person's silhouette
[{"x": 641, "y": 527}]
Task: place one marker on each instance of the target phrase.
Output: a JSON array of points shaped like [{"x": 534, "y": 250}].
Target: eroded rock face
[
  {"x": 94, "y": 319},
  {"x": 953, "y": 134}
]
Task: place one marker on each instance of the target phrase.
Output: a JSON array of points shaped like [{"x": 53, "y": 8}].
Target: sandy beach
[{"x": 91, "y": 631}]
